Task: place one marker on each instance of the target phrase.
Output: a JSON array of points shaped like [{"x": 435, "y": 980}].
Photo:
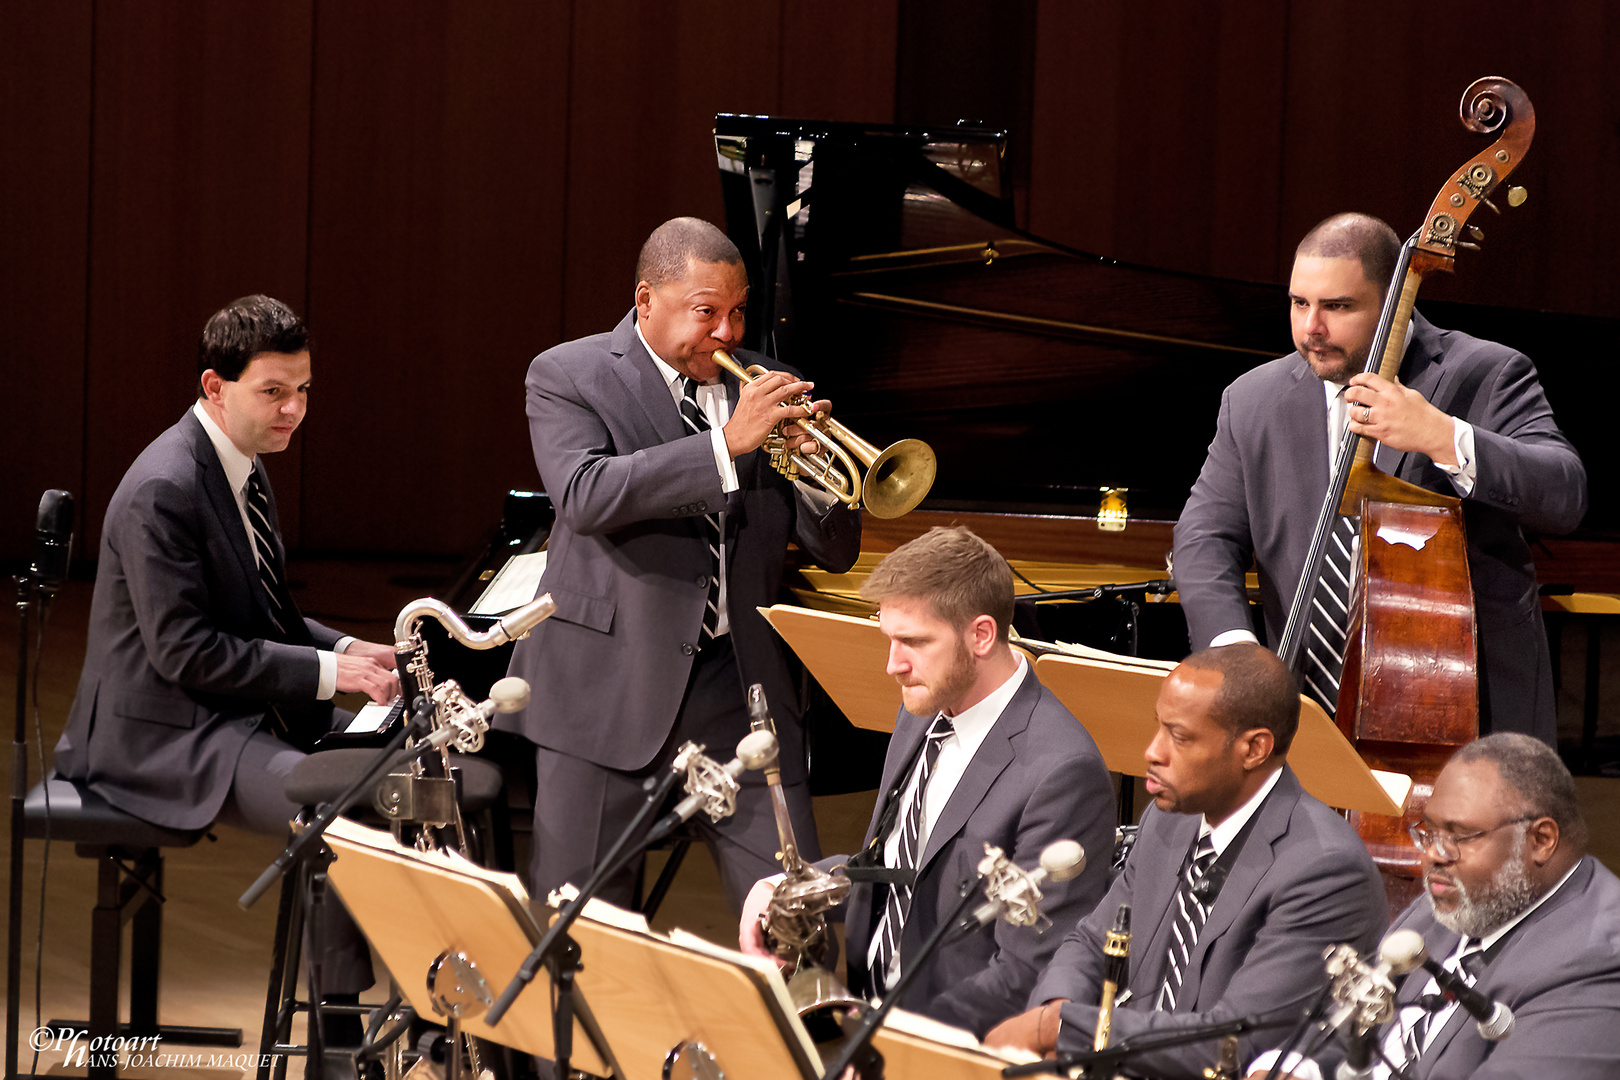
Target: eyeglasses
[{"x": 1448, "y": 845}]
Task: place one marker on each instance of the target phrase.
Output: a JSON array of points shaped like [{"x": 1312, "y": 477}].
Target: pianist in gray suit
[
  {"x": 1514, "y": 904},
  {"x": 671, "y": 530},
  {"x": 1237, "y": 882},
  {"x": 196, "y": 649}
]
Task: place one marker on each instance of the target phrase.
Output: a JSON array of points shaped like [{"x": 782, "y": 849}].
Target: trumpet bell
[{"x": 899, "y": 478}]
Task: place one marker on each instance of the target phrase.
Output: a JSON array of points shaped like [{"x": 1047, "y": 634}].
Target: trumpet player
[
  {"x": 671, "y": 529},
  {"x": 982, "y": 752}
]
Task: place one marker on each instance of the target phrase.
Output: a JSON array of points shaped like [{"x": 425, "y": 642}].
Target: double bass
[{"x": 1409, "y": 688}]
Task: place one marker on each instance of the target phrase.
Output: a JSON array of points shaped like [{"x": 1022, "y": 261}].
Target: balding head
[
  {"x": 678, "y": 242},
  {"x": 1355, "y": 236}
]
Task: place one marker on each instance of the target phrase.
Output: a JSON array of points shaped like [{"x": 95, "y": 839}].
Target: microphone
[
  {"x": 1493, "y": 1018},
  {"x": 1364, "y": 997},
  {"x": 53, "y": 540},
  {"x": 1014, "y": 894},
  {"x": 711, "y": 787},
  {"x": 458, "y": 719}
]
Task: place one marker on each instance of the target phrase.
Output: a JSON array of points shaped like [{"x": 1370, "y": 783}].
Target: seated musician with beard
[{"x": 1512, "y": 901}]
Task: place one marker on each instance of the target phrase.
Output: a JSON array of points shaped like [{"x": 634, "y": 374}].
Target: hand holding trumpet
[{"x": 760, "y": 408}]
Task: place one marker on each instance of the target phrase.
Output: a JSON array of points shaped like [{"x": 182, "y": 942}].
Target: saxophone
[{"x": 795, "y": 923}]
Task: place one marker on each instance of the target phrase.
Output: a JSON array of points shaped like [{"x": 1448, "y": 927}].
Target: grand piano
[{"x": 1070, "y": 397}]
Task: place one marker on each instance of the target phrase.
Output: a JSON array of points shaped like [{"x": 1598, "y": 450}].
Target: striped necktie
[
  {"x": 1188, "y": 921},
  {"x": 1327, "y": 630},
  {"x": 1415, "y": 1039},
  {"x": 898, "y": 902},
  {"x": 697, "y": 422},
  {"x": 264, "y": 553}
]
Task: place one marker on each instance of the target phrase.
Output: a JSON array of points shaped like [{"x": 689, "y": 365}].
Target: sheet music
[{"x": 514, "y": 585}]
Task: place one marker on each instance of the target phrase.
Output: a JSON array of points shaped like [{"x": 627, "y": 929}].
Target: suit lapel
[
  {"x": 1421, "y": 370},
  {"x": 1154, "y": 890},
  {"x": 228, "y": 516},
  {"x": 1303, "y": 418},
  {"x": 993, "y": 756},
  {"x": 1252, "y": 864},
  {"x": 644, "y": 382}
]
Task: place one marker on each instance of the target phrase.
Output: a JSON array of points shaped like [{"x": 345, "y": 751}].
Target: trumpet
[{"x": 896, "y": 480}]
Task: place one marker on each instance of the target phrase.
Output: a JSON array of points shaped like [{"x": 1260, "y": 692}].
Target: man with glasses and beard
[{"x": 1513, "y": 902}]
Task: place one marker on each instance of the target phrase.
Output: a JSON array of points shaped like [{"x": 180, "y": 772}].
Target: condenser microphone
[
  {"x": 712, "y": 787},
  {"x": 1493, "y": 1018},
  {"x": 53, "y": 540}
]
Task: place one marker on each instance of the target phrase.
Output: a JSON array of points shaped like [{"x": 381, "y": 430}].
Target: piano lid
[{"x": 886, "y": 266}]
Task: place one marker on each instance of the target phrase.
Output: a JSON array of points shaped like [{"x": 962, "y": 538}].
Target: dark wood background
[{"x": 448, "y": 188}]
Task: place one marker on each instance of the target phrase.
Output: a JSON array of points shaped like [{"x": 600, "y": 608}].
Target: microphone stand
[
  {"x": 417, "y": 726},
  {"x": 1082, "y": 1062},
  {"x": 27, "y": 589},
  {"x": 860, "y": 1043},
  {"x": 560, "y": 953}
]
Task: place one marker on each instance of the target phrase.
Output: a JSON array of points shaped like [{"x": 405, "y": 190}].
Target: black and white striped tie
[
  {"x": 898, "y": 902},
  {"x": 1327, "y": 632},
  {"x": 1187, "y": 922},
  {"x": 1414, "y": 1039},
  {"x": 264, "y": 550},
  {"x": 696, "y": 421}
]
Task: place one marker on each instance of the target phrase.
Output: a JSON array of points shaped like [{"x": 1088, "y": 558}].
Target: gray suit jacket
[
  {"x": 628, "y": 564},
  {"x": 182, "y": 660},
  {"x": 1303, "y": 881},
  {"x": 1559, "y": 971},
  {"x": 1037, "y": 777},
  {"x": 1267, "y": 474}
]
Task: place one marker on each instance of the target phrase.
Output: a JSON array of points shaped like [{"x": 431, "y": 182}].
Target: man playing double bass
[{"x": 1465, "y": 417}]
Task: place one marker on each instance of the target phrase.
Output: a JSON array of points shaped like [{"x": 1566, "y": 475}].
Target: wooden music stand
[
  {"x": 1114, "y": 696},
  {"x": 1116, "y": 701},
  {"x": 416, "y": 907}
]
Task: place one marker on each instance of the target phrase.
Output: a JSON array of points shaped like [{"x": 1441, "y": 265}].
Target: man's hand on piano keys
[{"x": 358, "y": 672}]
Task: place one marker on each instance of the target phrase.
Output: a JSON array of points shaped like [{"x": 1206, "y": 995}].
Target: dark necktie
[
  {"x": 898, "y": 901},
  {"x": 696, "y": 421},
  {"x": 264, "y": 554},
  {"x": 1471, "y": 962},
  {"x": 1326, "y": 631},
  {"x": 1189, "y": 914}
]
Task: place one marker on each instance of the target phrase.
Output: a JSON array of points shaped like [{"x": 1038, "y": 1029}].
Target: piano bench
[{"x": 129, "y": 888}]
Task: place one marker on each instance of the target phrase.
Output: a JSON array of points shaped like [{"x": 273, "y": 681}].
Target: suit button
[
  {"x": 702, "y": 507},
  {"x": 687, "y": 649},
  {"x": 703, "y": 582}
]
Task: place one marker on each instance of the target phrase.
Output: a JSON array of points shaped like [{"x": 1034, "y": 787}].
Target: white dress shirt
[
  {"x": 711, "y": 398},
  {"x": 238, "y": 468},
  {"x": 968, "y": 730}
]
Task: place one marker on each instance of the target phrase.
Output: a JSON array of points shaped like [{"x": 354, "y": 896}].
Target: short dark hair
[
  {"x": 1355, "y": 236},
  {"x": 674, "y": 244},
  {"x": 1537, "y": 775},
  {"x": 954, "y": 570},
  {"x": 243, "y": 329},
  {"x": 1257, "y": 690}
]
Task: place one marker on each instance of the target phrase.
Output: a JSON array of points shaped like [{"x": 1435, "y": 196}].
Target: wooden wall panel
[
  {"x": 198, "y": 195},
  {"x": 1373, "y": 125},
  {"x": 1157, "y": 132},
  {"x": 440, "y": 143},
  {"x": 838, "y": 60},
  {"x": 44, "y": 188},
  {"x": 648, "y": 80}
]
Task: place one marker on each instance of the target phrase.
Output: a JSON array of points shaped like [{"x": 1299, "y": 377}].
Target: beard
[
  {"x": 930, "y": 700},
  {"x": 1510, "y": 893}
]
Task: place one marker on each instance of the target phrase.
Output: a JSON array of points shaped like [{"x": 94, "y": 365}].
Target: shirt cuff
[
  {"x": 1301, "y": 1068},
  {"x": 723, "y": 462},
  {"x": 1233, "y": 637},
  {"x": 1462, "y": 448},
  {"x": 343, "y": 643},
  {"x": 327, "y": 686}
]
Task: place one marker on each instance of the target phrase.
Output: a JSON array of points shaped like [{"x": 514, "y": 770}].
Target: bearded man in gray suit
[
  {"x": 982, "y": 753},
  {"x": 1513, "y": 905},
  {"x": 1237, "y": 882},
  {"x": 199, "y": 669},
  {"x": 1465, "y": 417},
  {"x": 671, "y": 530}
]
